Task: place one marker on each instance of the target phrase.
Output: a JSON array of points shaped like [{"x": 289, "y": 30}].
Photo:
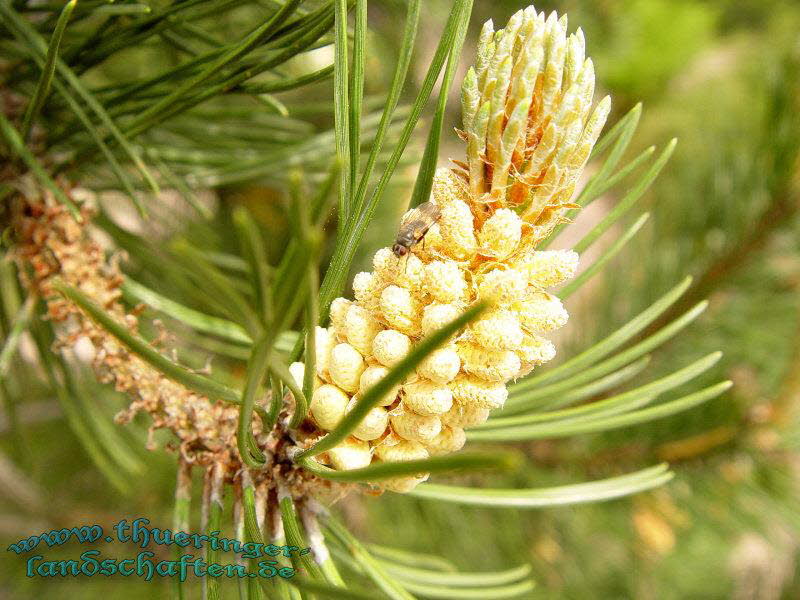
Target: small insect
[{"x": 414, "y": 226}]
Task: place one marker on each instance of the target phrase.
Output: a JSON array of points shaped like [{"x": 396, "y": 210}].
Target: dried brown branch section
[{"x": 50, "y": 244}]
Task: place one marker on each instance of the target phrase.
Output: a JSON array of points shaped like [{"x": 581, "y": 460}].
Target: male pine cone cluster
[{"x": 529, "y": 127}]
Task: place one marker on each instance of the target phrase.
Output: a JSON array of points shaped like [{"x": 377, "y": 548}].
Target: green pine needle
[
  {"x": 467, "y": 461},
  {"x": 43, "y": 85},
  {"x": 17, "y": 146},
  {"x": 579, "y": 493}
]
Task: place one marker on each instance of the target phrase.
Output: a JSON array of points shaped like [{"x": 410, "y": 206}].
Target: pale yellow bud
[
  {"x": 487, "y": 364},
  {"x": 390, "y": 439},
  {"x": 360, "y": 328},
  {"x": 432, "y": 245},
  {"x": 427, "y": 398},
  {"x": 399, "y": 452},
  {"x": 372, "y": 375},
  {"x": 498, "y": 330},
  {"x": 337, "y": 313},
  {"x": 390, "y": 347},
  {"x": 536, "y": 349},
  {"x": 367, "y": 290},
  {"x": 542, "y": 312},
  {"x": 328, "y": 405},
  {"x": 350, "y": 454},
  {"x": 501, "y": 233},
  {"x": 546, "y": 268},
  {"x": 436, "y": 316},
  {"x": 384, "y": 264},
  {"x": 462, "y": 415},
  {"x": 458, "y": 230},
  {"x": 374, "y": 423},
  {"x": 399, "y": 309},
  {"x": 325, "y": 341},
  {"x": 502, "y": 286},
  {"x": 447, "y": 187},
  {"x": 441, "y": 365},
  {"x": 410, "y": 269},
  {"x": 297, "y": 370},
  {"x": 471, "y": 391},
  {"x": 444, "y": 281},
  {"x": 411, "y": 426},
  {"x": 526, "y": 369},
  {"x": 403, "y": 485},
  {"x": 450, "y": 439},
  {"x": 406, "y": 271},
  {"x": 346, "y": 366}
]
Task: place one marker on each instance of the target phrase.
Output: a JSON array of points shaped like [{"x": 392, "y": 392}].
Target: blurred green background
[{"x": 722, "y": 76}]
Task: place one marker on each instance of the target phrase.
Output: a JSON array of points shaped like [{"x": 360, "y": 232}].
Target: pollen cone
[{"x": 529, "y": 125}]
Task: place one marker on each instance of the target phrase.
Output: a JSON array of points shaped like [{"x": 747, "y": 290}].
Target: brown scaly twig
[{"x": 52, "y": 245}]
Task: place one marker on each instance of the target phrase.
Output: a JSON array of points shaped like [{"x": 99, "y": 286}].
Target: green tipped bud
[{"x": 528, "y": 117}]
